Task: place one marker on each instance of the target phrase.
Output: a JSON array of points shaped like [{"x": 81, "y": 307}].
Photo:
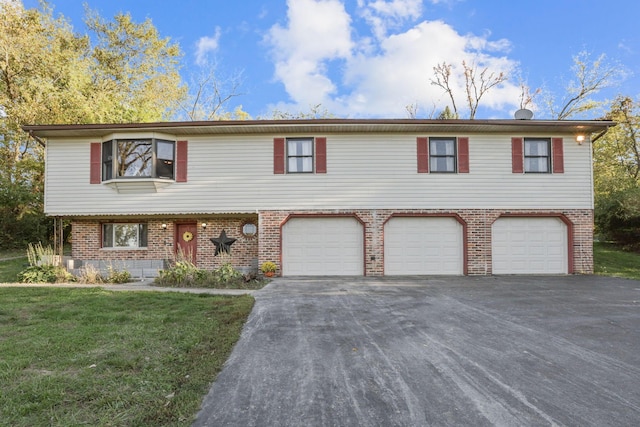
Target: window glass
[
  {"x": 164, "y": 159},
  {"x": 249, "y": 229},
  {"x": 107, "y": 160},
  {"x": 537, "y": 158},
  {"x": 107, "y": 235},
  {"x": 138, "y": 158},
  {"x": 142, "y": 235},
  {"x": 124, "y": 235},
  {"x": 442, "y": 164},
  {"x": 536, "y": 148},
  {"x": 300, "y": 155},
  {"x": 442, "y": 154},
  {"x": 135, "y": 158},
  {"x": 535, "y": 164}
]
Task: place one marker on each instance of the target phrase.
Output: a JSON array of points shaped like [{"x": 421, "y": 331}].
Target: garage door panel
[
  {"x": 529, "y": 245},
  {"x": 420, "y": 245},
  {"x": 322, "y": 246}
]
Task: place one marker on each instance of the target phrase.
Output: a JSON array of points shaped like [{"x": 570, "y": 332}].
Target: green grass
[
  {"x": 612, "y": 261},
  {"x": 9, "y": 269},
  {"x": 93, "y": 357}
]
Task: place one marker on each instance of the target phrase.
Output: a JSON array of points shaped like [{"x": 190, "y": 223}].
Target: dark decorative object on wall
[{"x": 223, "y": 243}]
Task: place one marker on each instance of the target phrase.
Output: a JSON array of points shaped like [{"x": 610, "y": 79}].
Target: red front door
[{"x": 187, "y": 241}]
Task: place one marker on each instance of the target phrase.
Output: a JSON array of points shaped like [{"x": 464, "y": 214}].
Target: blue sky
[{"x": 371, "y": 58}]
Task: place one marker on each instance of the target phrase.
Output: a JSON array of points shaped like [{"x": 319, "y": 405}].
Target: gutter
[{"x": 37, "y": 139}]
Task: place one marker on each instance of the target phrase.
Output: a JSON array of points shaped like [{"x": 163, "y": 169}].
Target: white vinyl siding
[
  {"x": 322, "y": 247},
  {"x": 423, "y": 245},
  {"x": 364, "y": 171},
  {"x": 529, "y": 246}
]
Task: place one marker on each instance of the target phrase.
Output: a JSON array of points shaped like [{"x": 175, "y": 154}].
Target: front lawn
[
  {"x": 612, "y": 261},
  {"x": 9, "y": 269},
  {"x": 93, "y": 357}
]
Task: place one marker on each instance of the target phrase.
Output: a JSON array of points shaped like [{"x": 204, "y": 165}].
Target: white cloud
[
  {"x": 382, "y": 15},
  {"x": 318, "y": 32},
  {"x": 205, "y": 45},
  {"x": 379, "y": 76}
]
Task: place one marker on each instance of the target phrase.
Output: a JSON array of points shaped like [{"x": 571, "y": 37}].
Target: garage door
[
  {"x": 419, "y": 245},
  {"x": 529, "y": 246},
  {"x": 322, "y": 246}
]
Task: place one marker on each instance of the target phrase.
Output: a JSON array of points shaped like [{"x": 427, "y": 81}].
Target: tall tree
[
  {"x": 476, "y": 84},
  {"x": 209, "y": 94},
  {"x": 589, "y": 78},
  {"x": 135, "y": 73},
  {"x": 616, "y": 156},
  {"x": 49, "y": 74},
  {"x": 42, "y": 80},
  {"x": 616, "y": 167}
]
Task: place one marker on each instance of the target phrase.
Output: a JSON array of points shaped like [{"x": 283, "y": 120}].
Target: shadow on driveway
[{"x": 435, "y": 351}]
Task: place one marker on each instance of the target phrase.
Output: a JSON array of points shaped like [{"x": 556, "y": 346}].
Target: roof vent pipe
[{"x": 523, "y": 114}]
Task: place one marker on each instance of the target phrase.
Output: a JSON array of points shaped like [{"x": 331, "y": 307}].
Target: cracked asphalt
[{"x": 416, "y": 351}]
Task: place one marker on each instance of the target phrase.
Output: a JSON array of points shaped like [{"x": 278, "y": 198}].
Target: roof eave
[{"x": 321, "y": 125}]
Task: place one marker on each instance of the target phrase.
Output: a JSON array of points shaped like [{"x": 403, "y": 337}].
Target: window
[
  {"x": 299, "y": 155},
  {"x": 138, "y": 158},
  {"x": 124, "y": 236},
  {"x": 537, "y": 155},
  {"x": 249, "y": 229},
  {"x": 442, "y": 155}
]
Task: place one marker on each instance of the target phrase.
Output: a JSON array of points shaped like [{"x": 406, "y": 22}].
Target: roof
[{"x": 324, "y": 126}]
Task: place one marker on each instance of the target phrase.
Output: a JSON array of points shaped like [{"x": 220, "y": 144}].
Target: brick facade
[
  {"x": 476, "y": 223},
  {"x": 86, "y": 238},
  {"x": 247, "y": 253}
]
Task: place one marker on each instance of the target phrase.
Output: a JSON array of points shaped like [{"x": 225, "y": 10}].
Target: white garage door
[
  {"x": 529, "y": 246},
  {"x": 419, "y": 245},
  {"x": 322, "y": 247}
]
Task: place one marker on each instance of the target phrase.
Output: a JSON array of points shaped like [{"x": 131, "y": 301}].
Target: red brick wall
[
  {"x": 249, "y": 253},
  {"x": 87, "y": 245},
  {"x": 478, "y": 225}
]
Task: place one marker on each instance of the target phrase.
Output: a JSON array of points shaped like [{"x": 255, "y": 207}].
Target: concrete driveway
[{"x": 505, "y": 351}]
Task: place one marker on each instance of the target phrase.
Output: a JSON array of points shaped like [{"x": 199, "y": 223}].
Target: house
[{"x": 329, "y": 196}]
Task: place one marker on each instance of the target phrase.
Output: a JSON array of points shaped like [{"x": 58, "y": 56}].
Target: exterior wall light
[
  {"x": 164, "y": 226},
  {"x": 204, "y": 225},
  {"x": 580, "y": 139}
]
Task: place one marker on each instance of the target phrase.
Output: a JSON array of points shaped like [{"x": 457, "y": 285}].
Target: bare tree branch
[
  {"x": 442, "y": 75},
  {"x": 476, "y": 87},
  {"x": 591, "y": 78}
]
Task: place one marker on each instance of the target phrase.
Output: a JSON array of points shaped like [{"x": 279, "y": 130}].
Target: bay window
[{"x": 138, "y": 158}]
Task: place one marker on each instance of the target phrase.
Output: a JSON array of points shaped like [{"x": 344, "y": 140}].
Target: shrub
[
  {"x": 118, "y": 276},
  {"x": 227, "y": 274},
  {"x": 40, "y": 255},
  {"x": 45, "y": 274},
  {"x": 89, "y": 274},
  {"x": 181, "y": 274},
  {"x": 184, "y": 274},
  {"x": 43, "y": 266}
]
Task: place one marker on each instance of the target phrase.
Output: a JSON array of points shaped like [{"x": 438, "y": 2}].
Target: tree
[
  {"x": 616, "y": 165},
  {"x": 447, "y": 114},
  {"x": 476, "y": 84},
  {"x": 315, "y": 112},
  {"x": 616, "y": 156},
  {"x": 589, "y": 78},
  {"x": 209, "y": 95},
  {"x": 42, "y": 80},
  {"x": 48, "y": 74},
  {"x": 134, "y": 72}
]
